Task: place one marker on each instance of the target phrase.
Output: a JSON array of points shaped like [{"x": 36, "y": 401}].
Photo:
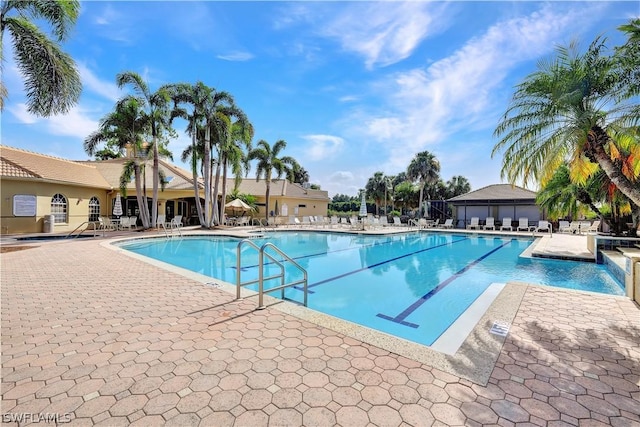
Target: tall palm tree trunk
[
  {"x": 223, "y": 196},
  {"x": 596, "y": 141},
  {"x": 156, "y": 179},
  {"x": 194, "y": 174},
  {"x": 141, "y": 197},
  {"x": 207, "y": 177},
  {"x": 216, "y": 190}
]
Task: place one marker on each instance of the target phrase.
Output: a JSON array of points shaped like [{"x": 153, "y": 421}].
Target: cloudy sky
[{"x": 352, "y": 87}]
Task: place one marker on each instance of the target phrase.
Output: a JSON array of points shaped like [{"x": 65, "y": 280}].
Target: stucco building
[{"x": 34, "y": 186}]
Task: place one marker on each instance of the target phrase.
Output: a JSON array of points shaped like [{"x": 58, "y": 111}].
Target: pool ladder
[{"x": 262, "y": 253}]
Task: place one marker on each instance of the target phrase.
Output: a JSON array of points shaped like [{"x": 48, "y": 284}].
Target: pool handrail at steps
[
  {"x": 88, "y": 223},
  {"x": 261, "y": 254}
]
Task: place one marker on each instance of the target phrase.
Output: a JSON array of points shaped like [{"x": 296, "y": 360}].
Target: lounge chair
[
  {"x": 384, "y": 221},
  {"x": 434, "y": 224},
  {"x": 563, "y": 226},
  {"x": 474, "y": 224},
  {"x": 593, "y": 228},
  {"x": 523, "y": 225},
  {"x": 573, "y": 228},
  {"x": 506, "y": 224},
  {"x": 489, "y": 223},
  {"x": 161, "y": 221},
  {"x": 176, "y": 222},
  {"x": 447, "y": 224},
  {"x": 543, "y": 226},
  {"x": 397, "y": 222}
]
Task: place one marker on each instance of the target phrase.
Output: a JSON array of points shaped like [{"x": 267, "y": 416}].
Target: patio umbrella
[
  {"x": 238, "y": 205},
  {"x": 363, "y": 209},
  {"x": 363, "y": 206},
  {"x": 117, "y": 206}
]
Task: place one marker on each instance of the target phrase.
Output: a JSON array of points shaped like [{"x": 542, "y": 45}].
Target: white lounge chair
[
  {"x": 563, "y": 226},
  {"x": 573, "y": 228},
  {"x": 474, "y": 224},
  {"x": 523, "y": 224},
  {"x": 543, "y": 226},
  {"x": 397, "y": 222},
  {"x": 489, "y": 223},
  {"x": 384, "y": 221},
  {"x": 593, "y": 228},
  {"x": 506, "y": 224},
  {"x": 161, "y": 221},
  {"x": 176, "y": 221},
  {"x": 447, "y": 224}
]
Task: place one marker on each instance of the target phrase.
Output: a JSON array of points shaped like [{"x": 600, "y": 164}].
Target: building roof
[
  {"x": 111, "y": 170},
  {"x": 18, "y": 163},
  {"x": 496, "y": 192},
  {"x": 22, "y": 164}
]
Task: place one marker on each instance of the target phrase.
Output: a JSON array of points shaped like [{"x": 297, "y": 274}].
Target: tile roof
[
  {"x": 496, "y": 192},
  {"x": 179, "y": 179},
  {"x": 18, "y": 163}
]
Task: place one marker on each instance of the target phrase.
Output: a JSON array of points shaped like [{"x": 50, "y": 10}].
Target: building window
[
  {"x": 94, "y": 209},
  {"x": 59, "y": 208}
]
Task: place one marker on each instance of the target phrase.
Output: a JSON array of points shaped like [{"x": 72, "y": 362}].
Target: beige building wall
[{"x": 77, "y": 205}]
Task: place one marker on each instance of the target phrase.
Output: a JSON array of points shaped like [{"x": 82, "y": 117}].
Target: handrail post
[{"x": 260, "y": 279}]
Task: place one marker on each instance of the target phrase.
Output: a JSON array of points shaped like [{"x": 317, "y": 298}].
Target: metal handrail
[
  {"x": 261, "y": 279},
  {"x": 88, "y": 224}
]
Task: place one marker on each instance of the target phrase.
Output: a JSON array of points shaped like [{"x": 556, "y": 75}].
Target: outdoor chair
[
  {"x": 176, "y": 221},
  {"x": 397, "y": 222},
  {"x": 447, "y": 224},
  {"x": 506, "y": 224},
  {"x": 523, "y": 224},
  {"x": 593, "y": 228},
  {"x": 489, "y": 223},
  {"x": 474, "y": 224},
  {"x": 543, "y": 226},
  {"x": 573, "y": 228},
  {"x": 563, "y": 226}
]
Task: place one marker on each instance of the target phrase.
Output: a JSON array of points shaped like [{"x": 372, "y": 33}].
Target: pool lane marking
[
  {"x": 400, "y": 318},
  {"x": 351, "y": 248},
  {"x": 340, "y": 276}
]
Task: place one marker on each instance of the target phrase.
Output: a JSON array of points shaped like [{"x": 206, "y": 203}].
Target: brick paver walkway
[{"x": 110, "y": 340}]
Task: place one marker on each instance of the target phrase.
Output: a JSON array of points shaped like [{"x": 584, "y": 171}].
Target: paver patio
[{"x": 111, "y": 340}]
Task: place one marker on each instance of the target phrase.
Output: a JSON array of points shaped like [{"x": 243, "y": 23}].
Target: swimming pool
[{"x": 412, "y": 285}]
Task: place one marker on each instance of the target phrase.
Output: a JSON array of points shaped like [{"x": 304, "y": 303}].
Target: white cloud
[
  {"x": 103, "y": 88},
  {"x": 423, "y": 106},
  {"x": 20, "y": 112},
  {"x": 75, "y": 123},
  {"x": 384, "y": 32},
  {"x": 322, "y": 146},
  {"x": 236, "y": 56}
]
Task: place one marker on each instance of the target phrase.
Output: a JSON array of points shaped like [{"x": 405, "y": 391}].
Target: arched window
[
  {"x": 94, "y": 209},
  {"x": 59, "y": 208}
]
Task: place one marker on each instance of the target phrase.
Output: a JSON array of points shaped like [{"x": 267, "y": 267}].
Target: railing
[
  {"x": 89, "y": 223},
  {"x": 261, "y": 279}
]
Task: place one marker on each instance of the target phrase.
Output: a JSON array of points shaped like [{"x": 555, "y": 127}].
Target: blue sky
[{"x": 352, "y": 87}]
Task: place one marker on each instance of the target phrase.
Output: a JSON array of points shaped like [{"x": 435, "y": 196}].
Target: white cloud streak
[
  {"x": 423, "y": 106},
  {"x": 384, "y": 33},
  {"x": 322, "y": 146}
]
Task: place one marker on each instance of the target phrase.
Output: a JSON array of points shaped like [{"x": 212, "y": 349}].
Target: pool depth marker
[{"x": 413, "y": 307}]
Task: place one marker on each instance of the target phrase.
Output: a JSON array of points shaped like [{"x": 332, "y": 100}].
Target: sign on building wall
[{"x": 24, "y": 205}]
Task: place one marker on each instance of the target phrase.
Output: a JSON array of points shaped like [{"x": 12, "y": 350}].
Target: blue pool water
[{"x": 412, "y": 285}]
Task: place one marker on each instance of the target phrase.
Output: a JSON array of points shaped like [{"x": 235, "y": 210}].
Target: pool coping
[{"x": 474, "y": 359}]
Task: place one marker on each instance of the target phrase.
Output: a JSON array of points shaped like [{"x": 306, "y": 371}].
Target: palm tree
[
  {"x": 424, "y": 168},
  {"x": 269, "y": 162},
  {"x": 208, "y": 124},
  {"x": 456, "y": 186},
  {"x": 232, "y": 153},
  {"x": 126, "y": 126},
  {"x": 52, "y": 82},
  {"x": 568, "y": 110},
  {"x": 376, "y": 188},
  {"x": 156, "y": 113}
]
